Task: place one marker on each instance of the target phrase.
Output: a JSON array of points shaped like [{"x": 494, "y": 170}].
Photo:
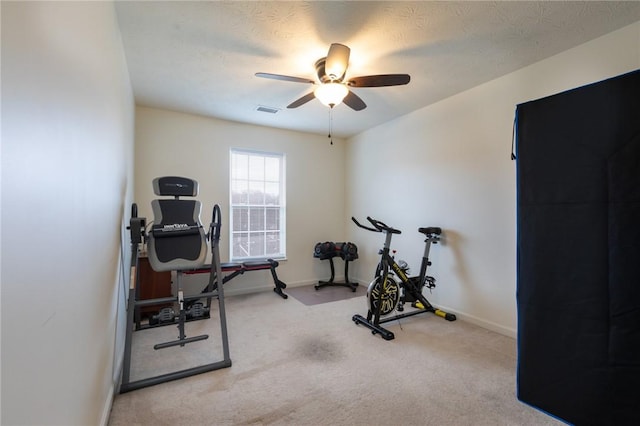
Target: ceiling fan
[{"x": 333, "y": 88}]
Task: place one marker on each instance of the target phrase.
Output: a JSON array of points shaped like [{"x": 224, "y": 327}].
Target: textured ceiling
[{"x": 201, "y": 57}]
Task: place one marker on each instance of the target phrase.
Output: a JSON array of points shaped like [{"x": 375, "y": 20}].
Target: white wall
[
  {"x": 448, "y": 165},
  {"x": 171, "y": 143},
  {"x": 67, "y": 156}
]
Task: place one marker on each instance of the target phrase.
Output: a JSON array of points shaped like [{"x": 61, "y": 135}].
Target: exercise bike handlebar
[{"x": 378, "y": 226}]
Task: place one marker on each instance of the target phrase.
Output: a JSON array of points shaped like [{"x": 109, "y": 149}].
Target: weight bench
[{"x": 240, "y": 268}]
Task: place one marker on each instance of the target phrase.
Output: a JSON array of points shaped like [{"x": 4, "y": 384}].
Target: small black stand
[{"x": 327, "y": 251}]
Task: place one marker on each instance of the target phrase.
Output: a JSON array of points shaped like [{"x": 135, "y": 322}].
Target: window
[{"x": 257, "y": 205}]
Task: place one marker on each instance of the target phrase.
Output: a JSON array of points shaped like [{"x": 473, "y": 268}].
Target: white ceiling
[{"x": 201, "y": 57}]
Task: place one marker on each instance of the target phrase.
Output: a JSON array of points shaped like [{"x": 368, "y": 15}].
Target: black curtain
[{"x": 578, "y": 275}]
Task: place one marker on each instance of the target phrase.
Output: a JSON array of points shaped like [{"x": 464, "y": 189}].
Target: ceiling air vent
[{"x": 270, "y": 110}]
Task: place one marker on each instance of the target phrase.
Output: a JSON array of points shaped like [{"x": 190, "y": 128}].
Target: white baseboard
[
  {"x": 489, "y": 325},
  {"x": 106, "y": 410}
]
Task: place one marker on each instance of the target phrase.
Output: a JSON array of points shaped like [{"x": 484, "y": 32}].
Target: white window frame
[{"x": 259, "y": 180}]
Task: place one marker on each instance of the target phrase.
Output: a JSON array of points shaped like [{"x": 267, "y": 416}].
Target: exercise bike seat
[
  {"x": 177, "y": 239},
  {"x": 430, "y": 230}
]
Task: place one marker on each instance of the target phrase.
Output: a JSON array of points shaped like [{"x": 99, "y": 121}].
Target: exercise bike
[{"x": 392, "y": 288}]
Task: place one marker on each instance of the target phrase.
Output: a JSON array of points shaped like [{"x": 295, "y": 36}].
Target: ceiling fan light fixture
[{"x": 331, "y": 94}]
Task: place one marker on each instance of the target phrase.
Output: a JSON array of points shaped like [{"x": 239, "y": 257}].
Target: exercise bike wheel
[{"x": 389, "y": 296}]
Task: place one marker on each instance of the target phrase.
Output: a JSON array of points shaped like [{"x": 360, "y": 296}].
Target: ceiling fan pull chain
[{"x": 331, "y": 124}]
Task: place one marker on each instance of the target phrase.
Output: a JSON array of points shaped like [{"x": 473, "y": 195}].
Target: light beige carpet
[{"x": 295, "y": 364}]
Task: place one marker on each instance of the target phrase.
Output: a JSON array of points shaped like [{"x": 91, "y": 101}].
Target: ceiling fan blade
[
  {"x": 379, "y": 80},
  {"x": 303, "y": 100},
  {"x": 337, "y": 61},
  {"x": 284, "y": 77},
  {"x": 354, "y": 102}
]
